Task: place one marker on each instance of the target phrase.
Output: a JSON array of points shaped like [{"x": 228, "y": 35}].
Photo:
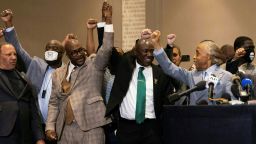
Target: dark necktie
[{"x": 141, "y": 97}]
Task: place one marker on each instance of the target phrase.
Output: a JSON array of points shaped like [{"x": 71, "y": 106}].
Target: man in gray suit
[
  {"x": 207, "y": 60},
  {"x": 76, "y": 107}
]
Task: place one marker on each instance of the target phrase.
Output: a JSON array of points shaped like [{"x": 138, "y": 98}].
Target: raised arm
[
  {"x": 90, "y": 44},
  {"x": 11, "y": 37},
  {"x": 104, "y": 53},
  {"x": 168, "y": 67}
]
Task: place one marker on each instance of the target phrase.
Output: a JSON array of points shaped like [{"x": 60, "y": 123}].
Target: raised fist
[
  {"x": 68, "y": 37},
  {"x": 6, "y": 17},
  {"x": 155, "y": 36},
  {"x": 91, "y": 23},
  {"x": 170, "y": 39},
  {"x": 107, "y": 13},
  {"x": 146, "y": 34}
]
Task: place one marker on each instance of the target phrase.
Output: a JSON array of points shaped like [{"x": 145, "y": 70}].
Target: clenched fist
[{"x": 170, "y": 39}]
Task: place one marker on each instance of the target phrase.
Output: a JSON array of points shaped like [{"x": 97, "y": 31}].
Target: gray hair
[{"x": 214, "y": 51}]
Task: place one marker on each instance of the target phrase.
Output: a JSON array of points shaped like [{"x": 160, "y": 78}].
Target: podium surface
[{"x": 209, "y": 124}]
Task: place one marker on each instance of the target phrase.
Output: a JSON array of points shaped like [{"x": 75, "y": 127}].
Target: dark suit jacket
[
  {"x": 123, "y": 76},
  {"x": 19, "y": 108}
]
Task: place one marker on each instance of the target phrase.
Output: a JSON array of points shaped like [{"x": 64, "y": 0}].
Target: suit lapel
[
  {"x": 23, "y": 78},
  {"x": 5, "y": 84},
  {"x": 155, "y": 80}
]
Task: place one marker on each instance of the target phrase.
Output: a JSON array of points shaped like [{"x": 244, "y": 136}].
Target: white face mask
[
  {"x": 51, "y": 55},
  {"x": 251, "y": 56}
]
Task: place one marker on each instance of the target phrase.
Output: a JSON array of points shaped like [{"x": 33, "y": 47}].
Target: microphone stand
[{"x": 188, "y": 99}]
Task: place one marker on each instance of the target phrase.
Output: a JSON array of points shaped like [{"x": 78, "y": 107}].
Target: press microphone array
[{"x": 198, "y": 87}]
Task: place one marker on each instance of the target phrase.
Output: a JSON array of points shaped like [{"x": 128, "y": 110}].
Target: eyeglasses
[{"x": 77, "y": 51}]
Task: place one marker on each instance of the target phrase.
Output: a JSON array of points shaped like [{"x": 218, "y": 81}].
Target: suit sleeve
[
  {"x": 11, "y": 37},
  {"x": 100, "y": 31},
  {"x": 170, "y": 68},
  {"x": 36, "y": 126},
  {"x": 104, "y": 53},
  {"x": 232, "y": 66}
]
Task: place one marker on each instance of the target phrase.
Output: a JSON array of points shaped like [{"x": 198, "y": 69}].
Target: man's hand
[
  {"x": 68, "y": 37},
  {"x": 239, "y": 53},
  {"x": 170, "y": 39},
  {"x": 91, "y": 23},
  {"x": 146, "y": 34},
  {"x": 6, "y": 17},
  {"x": 51, "y": 135},
  {"x": 155, "y": 36},
  {"x": 107, "y": 12}
]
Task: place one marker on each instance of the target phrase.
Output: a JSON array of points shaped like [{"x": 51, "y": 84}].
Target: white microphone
[{"x": 212, "y": 82}]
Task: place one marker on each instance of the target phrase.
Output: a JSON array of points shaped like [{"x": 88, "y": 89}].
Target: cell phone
[{"x": 185, "y": 58}]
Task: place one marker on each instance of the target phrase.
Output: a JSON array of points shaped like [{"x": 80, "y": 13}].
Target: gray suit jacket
[
  {"x": 191, "y": 78},
  {"x": 85, "y": 93},
  {"x": 36, "y": 67}
]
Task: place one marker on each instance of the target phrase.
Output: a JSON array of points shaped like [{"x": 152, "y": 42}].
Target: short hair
[
  {"x": 178, "y": 48},
  {"x": 58, "y": 43},
  {"x": 239, "y": 41},
  {"x": 2, "y": 44},
  {"x": 214, "y": 51},
  {"x": 70, "y": 44}
]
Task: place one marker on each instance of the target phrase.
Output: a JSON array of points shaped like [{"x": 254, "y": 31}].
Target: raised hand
[
  {"x": 51, "y": 135},
  {"x": 91, "y": 23},
  {"x": 6, "y": 17},
  {"x": 146, "y": 34},
  {"x": 239, "y": 53},
  {"x": 170, "y": 39},
  {"x": 155, "y": 36},
  {"x": 68, "y": 37},
  {"x": 107, "y": 12}
]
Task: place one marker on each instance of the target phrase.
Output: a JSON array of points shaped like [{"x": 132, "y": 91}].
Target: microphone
[
  {"x": 237, "y": 88},
  {"x": 198, "y": 87},
  {"x": 246, "y": 85},
  {"x": 212, "y": 81}
]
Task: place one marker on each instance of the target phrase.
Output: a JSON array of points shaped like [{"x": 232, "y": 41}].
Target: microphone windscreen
[
  {"x": 245, "y": 82},
  {"x": 200, "y": 85}
]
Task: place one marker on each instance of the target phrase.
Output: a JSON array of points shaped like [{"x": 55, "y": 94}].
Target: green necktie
[{"x": 141, "y": 97}]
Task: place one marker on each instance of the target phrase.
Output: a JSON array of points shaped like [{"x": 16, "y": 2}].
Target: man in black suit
[
  {"x": 124, "y": 97},
  {"x": 19, "y": 116}
]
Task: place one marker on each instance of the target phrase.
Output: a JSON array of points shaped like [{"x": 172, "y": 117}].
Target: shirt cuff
[
  {"x": 109, "y": 28},
  {"x": 158, "y": 51},
  {"x": 9, "y": 29},
  {"x": 101, "y": 24}
]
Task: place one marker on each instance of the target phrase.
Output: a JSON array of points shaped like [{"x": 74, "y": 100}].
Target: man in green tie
[{"x": 138, "y": 94}]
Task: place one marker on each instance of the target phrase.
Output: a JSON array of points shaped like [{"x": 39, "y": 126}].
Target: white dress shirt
[{"x": 128, "y": 105}]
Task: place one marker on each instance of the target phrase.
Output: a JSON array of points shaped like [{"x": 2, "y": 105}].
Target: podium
[{"x": 209, "y": 124}]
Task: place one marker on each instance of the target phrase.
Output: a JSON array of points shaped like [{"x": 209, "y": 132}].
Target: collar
[
  {"x": 211, "y": 68},
  {"x": 138, "y": 66}
]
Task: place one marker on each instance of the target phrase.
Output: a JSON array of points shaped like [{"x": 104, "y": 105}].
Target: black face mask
[{"x": 249, "y": 56}]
